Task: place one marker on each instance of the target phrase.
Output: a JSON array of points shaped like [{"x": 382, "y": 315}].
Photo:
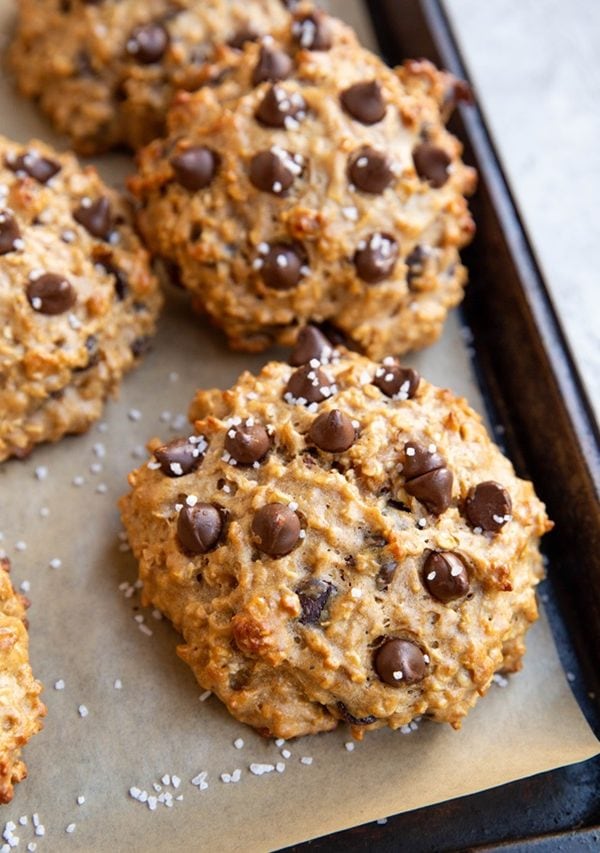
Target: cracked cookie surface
[
  {"x": 338, "y": 540},
  {"x": 308, "y": 182},
  {"x": 104, "y": 71},
  {"x": 78, "y": 302},
  {"x": 21, "y": 710}
]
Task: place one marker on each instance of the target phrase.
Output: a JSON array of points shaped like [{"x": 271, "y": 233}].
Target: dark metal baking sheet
[{"x": 537, "y": 401}]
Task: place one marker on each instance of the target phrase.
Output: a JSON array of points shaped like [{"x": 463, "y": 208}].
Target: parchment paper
[{"x": 84, "y": 632}]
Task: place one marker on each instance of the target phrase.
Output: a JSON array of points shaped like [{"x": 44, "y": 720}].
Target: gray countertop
[{"x": 535, "y": 65}]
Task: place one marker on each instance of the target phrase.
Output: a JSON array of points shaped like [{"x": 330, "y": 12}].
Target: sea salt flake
[
  {"x": 261, "y": 769},
  {"x": 306, "y": 759}
]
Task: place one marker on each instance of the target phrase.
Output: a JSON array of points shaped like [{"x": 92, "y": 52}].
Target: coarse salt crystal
[
  {"x": 349, "y": 746},
  {"x": 59, "y": 685},
  {"x": 306, "y": 759},
  {"x": 80, "y": 800},
  {"x": 118, "y": 684},
  {"x": 134, "y": 414},
  {"x": 204, "y": 696},
  {"x": 83, "y": 711},
  {"x": 285, "y": 753},
  {"x": 70, "y": 828},
  {"x": 261, "y": 769},
  {"x": 238, "y": 743}
]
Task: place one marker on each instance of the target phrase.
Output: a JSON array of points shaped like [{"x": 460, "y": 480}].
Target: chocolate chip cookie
[
  {"x": 21, "y": 710},
  {"x": 104, "y": 71},
  {"x": 307, "y": 181},
  {"x": 338, "y": 539},
  {"x": 78, "y": 301}
]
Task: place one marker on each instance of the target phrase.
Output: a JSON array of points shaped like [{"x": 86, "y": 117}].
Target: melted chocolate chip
[
  {"x": 370, "y": 171},
  {"x": 179, "y": 457},
  {"x": 314, "y": 595},
  {"x": 312, "y": 32},
  {"x": 39, "y": 168},
  {"x": 396, "y": 381},
  {"x": 195, "y": 167},
  {"x": 400, "y": 662},
  {"x": 51, "y": 294},
  {"x": 427, "y": 477},
  {"x": 141, "y": 345},
  {"x": 247, "y": 444},
  {"x": 309, "y": 384},
  {"x": 310, "y": 343},
  {"x": 121, "y": 281},
  {"x": 95, "y": 216},
  {"x": 10, "y": 233},
  {"x": 445, "y": 576},
  {"x": 364, "y": 102},
  {"x": 386, "y": 574},
  {"x": 274, "y": 170},
  {"x": 415, "y": 262},
  {"x": 488, "y": 506},
  {"x": 376, "y": 258},
  {"x": 243, "y": 35},
  {"x": 199, "y": 528},
  {"x": 431, "y": 164},
  {"x": 272, "y": 65},
  {"x": 279, "y": 108},
  {"x": 276, "y": 529},
  {"x": 332, "y": 431},
  {"x": 350, "y": 718},
  {"x": 148, "y": 43},
  {"x": 281, "y": 267}
]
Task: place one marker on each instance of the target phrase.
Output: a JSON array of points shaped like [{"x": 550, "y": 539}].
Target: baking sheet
[{"x": 84, "y": 632}]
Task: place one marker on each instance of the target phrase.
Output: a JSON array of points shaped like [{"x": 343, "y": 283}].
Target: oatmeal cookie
[
  {"x": 104, "y": 71},
  {"x": 338, "y": 539},
  {"x": 21, "y": 710},
  {"x": 307, "y": 181},
  {"x": 78, "y": 302}
]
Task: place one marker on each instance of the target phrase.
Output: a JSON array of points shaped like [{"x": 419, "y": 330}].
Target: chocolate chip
[
  {"x": 195, "y": 167},
  {"x": 415, "y": 262},
  {"x": 431, "y": 164},
  {"x": 180, "y": 457},
  {"x": 39, "y": 168},
  {"x": 370, "y": 171},
  {"x": 427, "y": 477},
  {"x": 312, "y": 32},
  {"x": 364, "y": 102},
  {"x": 95, "y": 216},
  {"x": 243, "y": 35},
  {"x": 148, "y": 43},
  {"x": 272, "y": 65},
  {"x": 333, "y": 431},
  {"x": 92, "y": 352},
  {"x": 386, "y": 574},
  {"x": 350, "y": 718},
  {"x": 199, "y": 527},
  {"x": 276, "y": 529},
  {"x": 396, "y": 381},
  {"x": 310, "y": 343},
  {"x": 247, "y": 443},
  {"x": 279, "y": 108},
  {"x": 281, "y": 267},
  {"x": 51, "y": 294},
  {"x": 121, "y": 282},
  {"x": 314, "y": 595},
  {"x": 274, "y": 170},
  {"x": 376, "y": 257},
  {"x": 419, "y": 459},
  {"x": 400, "y": 662},
  {"x": 309, "y": 384},
  {"x": 488, "y": 506},
  {"x": 445, "y": 576},
  {"x": 10, "y": 233},
  {"x": 141, "y": 345}
]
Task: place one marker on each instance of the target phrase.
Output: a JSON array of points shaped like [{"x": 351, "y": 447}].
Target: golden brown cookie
[
  {"x": 307, "y": 181},
  {"x": 338, "y": 539},
  {"x": 21, "y": 710},
  {"x": 78, "y": 301},
  {"x": 104, "y": 71}
]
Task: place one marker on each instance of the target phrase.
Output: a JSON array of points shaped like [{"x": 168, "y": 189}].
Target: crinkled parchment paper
[{"x": 144, "y": 715}]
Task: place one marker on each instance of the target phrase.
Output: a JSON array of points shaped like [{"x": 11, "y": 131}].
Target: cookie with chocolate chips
[
  {"x": 330, "y": 175},
  {"x": 78, "y": 301},
  {"x": 104, "y": 72},
  {"x": 21, "y": 709},
  {"x": 349, "y": 539}
]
